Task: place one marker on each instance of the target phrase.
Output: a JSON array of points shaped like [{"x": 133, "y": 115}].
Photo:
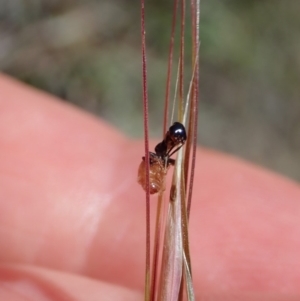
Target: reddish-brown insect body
[
  {"x": 160, "y": 161},
  {"x": 157, "y": 174}
]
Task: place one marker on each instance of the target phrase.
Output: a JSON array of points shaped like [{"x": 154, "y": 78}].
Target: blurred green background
[{"x": 88, "y": 53}]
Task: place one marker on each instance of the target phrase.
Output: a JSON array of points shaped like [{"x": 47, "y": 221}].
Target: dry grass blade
[
  {"x": 188, "y": 280},
  {"x": 172, "y": 261},
  {"x": 170, "y": 64},
  {"x": 173, "y": 280},
  {"x": 146, "y": 136},
  {"x": 156, "y": 248},
  {"x": 176, "y": 246}
]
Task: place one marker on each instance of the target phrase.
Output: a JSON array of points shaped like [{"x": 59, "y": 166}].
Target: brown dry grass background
[{"x": 88, "y": 53}]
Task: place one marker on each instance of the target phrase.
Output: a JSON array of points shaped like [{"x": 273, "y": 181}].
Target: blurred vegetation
[{"x": 88, "y": 53}]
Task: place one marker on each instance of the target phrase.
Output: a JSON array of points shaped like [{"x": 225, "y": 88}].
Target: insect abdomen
[{"x": 157, "y": 174}]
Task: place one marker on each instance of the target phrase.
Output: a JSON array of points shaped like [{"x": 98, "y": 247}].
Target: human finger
[{"x": 69, "y": 201}]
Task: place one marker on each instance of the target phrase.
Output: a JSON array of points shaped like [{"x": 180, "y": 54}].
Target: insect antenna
[{"x": 176, "y": 150}]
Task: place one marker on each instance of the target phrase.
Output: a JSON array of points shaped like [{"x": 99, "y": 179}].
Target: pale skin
[{"x": 72, "y": 216}]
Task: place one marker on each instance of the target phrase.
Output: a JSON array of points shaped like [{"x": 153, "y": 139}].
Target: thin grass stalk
[
  {"x": 146, "y": 140},
  {"x": 192, "y": 133},
  {"x": 195, "y": 102},
  {"x": 181, "y": 62},
  {"x": 184, "y": 225},
  {"x": 170, "y": 290},
  {"x": 172, "y": 281},
  {"x": 171, "y": 269},
  {"x": 156, "y": 246},
  {"x": 175, "y": 93},
  {"x": 175, "y": 275},
  {"x": 184, "y": 221},
  {"x": 170, "y": 64},
  {"x": 190, "y": 139},
  {"x": 189, "y": 281},
  {"x": 165, "y": 126},
  {"x": 184, "y": 230}
]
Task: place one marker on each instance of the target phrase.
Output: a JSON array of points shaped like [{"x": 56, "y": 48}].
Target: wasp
[{"x": 161, "y": 160}]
